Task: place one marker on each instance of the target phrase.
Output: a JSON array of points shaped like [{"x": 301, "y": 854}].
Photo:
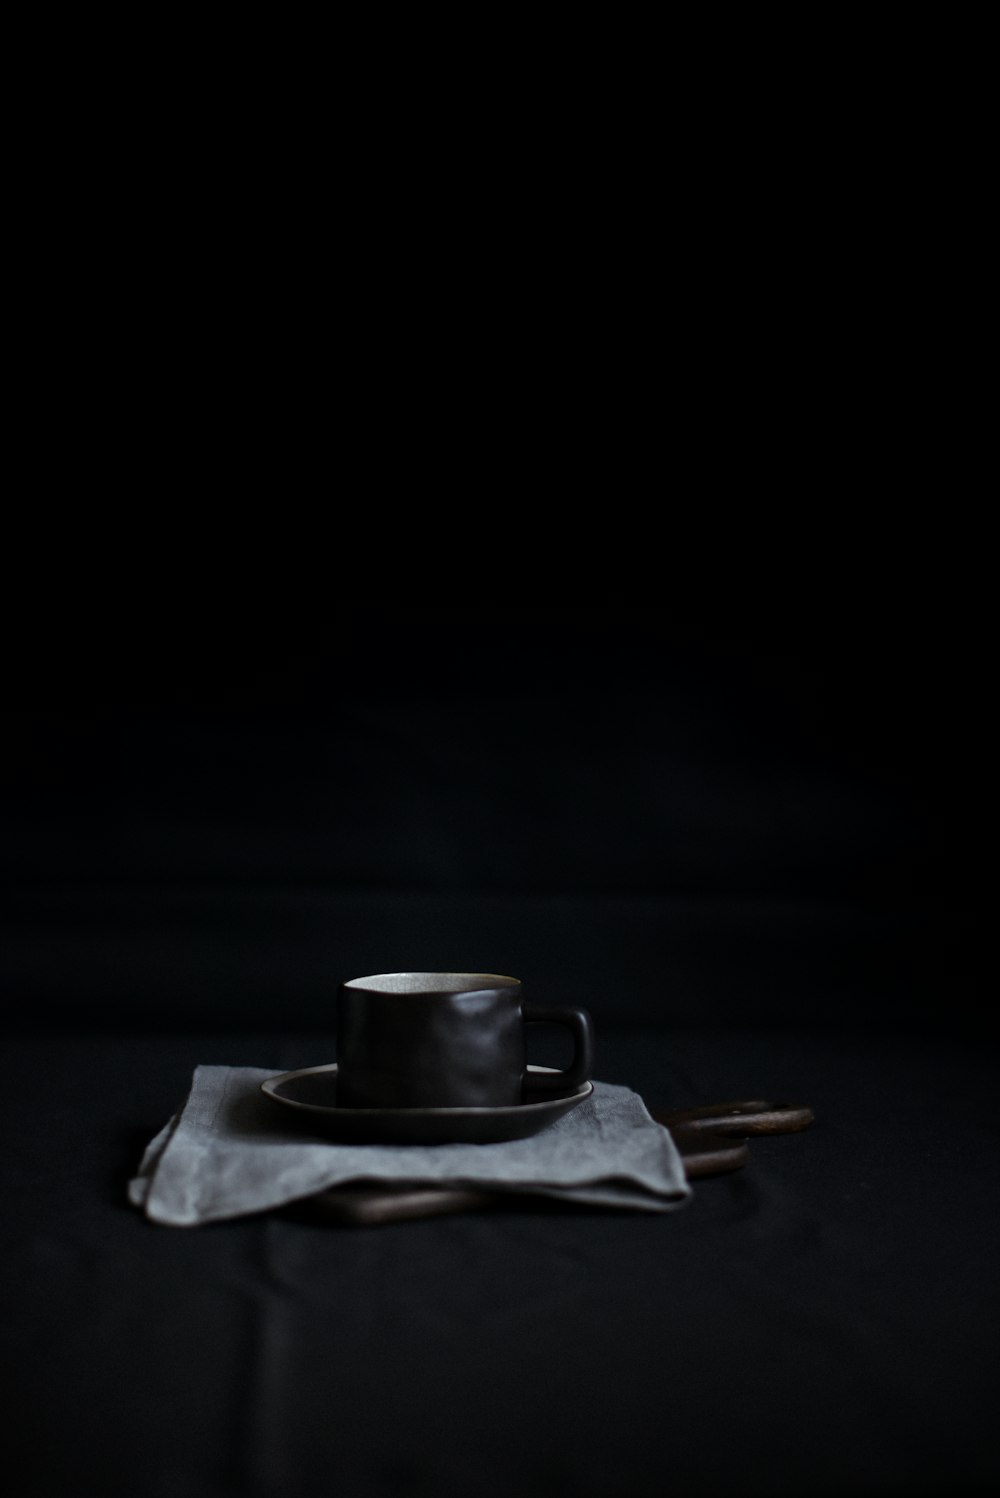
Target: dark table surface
[{"x": 823, "y": 1321}]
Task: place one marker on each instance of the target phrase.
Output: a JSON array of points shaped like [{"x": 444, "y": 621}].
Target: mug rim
[{"x": 376, "y": 983}]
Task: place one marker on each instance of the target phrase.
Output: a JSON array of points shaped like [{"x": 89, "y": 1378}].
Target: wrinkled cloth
[{"x": 227, "y": 1153}]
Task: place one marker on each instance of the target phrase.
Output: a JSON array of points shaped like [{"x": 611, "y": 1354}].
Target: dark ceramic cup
[{"x": 446, "y": 1040}]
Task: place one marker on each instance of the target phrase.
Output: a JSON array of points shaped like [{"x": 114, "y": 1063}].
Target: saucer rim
[{"x": 515, "y": 1110}]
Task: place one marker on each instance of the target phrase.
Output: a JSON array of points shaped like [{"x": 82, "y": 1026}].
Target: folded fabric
[{"x": 227, "y": 1153}]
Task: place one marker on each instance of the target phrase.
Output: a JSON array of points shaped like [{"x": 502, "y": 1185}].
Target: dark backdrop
[
  {"x": 722, "y": 770},
  {"x": 427, "y": 561}
]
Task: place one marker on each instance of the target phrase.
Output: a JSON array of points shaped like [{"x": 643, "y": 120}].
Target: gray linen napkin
[{"x": 226, "y": 1154}]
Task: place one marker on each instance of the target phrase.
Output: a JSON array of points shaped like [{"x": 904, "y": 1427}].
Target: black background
[
  {"x": 610, "y": 610},
  {"x": 676, "y": 760}
]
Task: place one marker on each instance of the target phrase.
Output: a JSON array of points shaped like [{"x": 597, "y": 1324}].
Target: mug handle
[{"x": 578, "y": 1022}]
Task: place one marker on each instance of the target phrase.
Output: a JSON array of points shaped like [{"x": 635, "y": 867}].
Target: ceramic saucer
[{"x": 311, "y": 1095}]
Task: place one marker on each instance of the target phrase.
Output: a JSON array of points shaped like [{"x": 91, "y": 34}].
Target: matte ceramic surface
[
  {"x": 310, "y": 1095},
  {"x": 447, "y": 1040}
]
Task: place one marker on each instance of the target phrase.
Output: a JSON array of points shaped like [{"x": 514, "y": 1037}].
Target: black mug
[{"x": 446, "y": 1040}]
